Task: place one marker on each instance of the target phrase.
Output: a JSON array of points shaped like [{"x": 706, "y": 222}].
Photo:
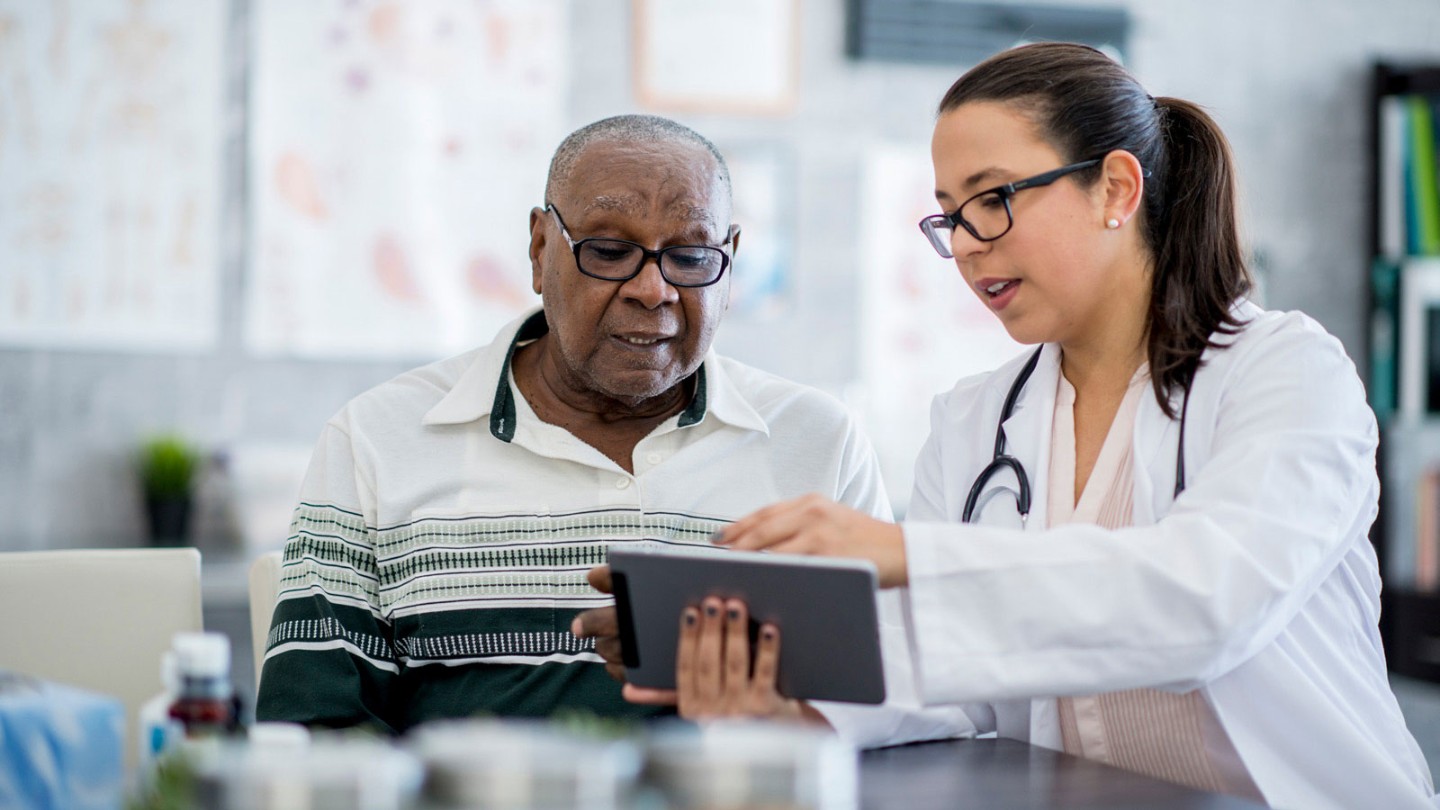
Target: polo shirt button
[
  {"x": 653, "y": 458},
  {"x": 622, "y": 483}
]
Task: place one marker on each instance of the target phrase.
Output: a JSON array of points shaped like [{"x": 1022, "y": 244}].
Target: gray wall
[{"x": 1286, "y": 79}]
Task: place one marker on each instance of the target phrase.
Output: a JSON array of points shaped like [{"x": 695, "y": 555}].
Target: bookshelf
[{"x": 1403, "y": 357}]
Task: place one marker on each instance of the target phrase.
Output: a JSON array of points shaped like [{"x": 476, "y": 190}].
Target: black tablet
[{"x": 824, "y": 607}]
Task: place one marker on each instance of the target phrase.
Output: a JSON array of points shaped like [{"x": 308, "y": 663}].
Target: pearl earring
[{"x": 1112, "y": 224}]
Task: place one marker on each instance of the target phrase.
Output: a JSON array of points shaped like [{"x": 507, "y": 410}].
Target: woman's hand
[
  {"x": 714, "y": 677},
  {"x": 813, "y": 525}
]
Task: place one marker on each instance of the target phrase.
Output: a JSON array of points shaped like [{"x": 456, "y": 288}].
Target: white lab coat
[{"x": 1258, "y": 586}]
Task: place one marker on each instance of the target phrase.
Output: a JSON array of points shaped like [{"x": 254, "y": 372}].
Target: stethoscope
[{"x": 1004, "y": 461}]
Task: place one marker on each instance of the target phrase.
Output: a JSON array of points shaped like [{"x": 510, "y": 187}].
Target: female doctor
[{"x": 1145, "y": 541}]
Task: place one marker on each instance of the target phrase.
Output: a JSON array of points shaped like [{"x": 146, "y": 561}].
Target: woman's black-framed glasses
[
  {"x": 621, "y": 260},
  {"x": 987, "y": 215}
]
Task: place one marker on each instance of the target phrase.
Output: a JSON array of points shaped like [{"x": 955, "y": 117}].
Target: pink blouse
[{"x": 1174, "y": 737}]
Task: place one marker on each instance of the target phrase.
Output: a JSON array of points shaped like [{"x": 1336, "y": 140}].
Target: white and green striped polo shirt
[{"x": 440, "y": 548}]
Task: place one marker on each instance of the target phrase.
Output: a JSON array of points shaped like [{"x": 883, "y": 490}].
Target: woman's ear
[{"x": 1122, "y": 181}]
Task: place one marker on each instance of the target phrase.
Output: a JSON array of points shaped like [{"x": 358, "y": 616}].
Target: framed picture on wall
[
  {"x": 717, "y": 56},
  {"x": 763, "y": 176}
]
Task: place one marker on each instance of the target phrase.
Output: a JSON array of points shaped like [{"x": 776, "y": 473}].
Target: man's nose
[{"x": 649, "y": 287}]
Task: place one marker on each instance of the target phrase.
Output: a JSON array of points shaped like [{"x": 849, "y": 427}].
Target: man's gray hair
[{"x": 626, "y": 129}]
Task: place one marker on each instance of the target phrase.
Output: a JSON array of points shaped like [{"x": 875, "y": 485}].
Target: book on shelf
[
  {"x": 1424, "y": 192},
  {"x": 1418, "y": 323},
  {"x": 1427, "y": 531},
  {"x": 1384, "y": 337},
  {"x": 1408, "y": 181},
  {"x": 1392, "y": 188}
]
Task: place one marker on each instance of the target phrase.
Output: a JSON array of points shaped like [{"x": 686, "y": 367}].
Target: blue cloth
[{"x": 60, "y": 747}]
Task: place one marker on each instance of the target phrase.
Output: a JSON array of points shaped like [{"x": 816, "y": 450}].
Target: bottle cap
[{"x": 202, "y": 655}]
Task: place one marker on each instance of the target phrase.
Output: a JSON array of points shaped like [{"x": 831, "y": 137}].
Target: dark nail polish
[
  {"x": 768, "y": 633},
  {"x": 711, "y": 611},
  {"x": 733, "y": 614},
  {"x": 689, "y": 618}
]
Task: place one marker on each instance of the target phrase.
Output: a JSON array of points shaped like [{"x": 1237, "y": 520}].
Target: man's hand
[
  {"x": 814, "y": 525},
  {"x": 601, "y": 625}
]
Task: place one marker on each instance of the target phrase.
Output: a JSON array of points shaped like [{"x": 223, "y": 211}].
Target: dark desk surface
[{"x": 1010, "y": 775}]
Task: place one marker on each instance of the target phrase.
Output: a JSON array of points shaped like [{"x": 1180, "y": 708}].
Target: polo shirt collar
[
  {"x": 483, "y": 388},
  {"x": 724, "y": 400}
]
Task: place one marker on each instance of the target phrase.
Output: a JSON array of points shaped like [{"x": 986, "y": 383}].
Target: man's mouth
[{"x": 642, "y": 340}]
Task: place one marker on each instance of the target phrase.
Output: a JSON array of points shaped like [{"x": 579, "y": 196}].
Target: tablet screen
[{"x": 824, "y": 607}]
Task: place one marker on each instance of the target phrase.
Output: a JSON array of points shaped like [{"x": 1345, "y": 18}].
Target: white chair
[
  {"x": 100, "y": 620},
  {"x": 264, "y": 589}
]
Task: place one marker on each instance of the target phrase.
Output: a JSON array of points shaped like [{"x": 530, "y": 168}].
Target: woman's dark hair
[{"x": 1086, "y": 106}]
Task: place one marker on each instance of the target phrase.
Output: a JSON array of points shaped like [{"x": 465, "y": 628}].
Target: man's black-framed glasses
[
  {"x": 987, "y": 215},
  {"x": 621, "y": 260}
]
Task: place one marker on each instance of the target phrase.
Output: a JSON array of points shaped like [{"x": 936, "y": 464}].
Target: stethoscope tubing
[{"x": 1002, "y": 460}]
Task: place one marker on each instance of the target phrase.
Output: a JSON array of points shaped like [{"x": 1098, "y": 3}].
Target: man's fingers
[
  {"x": 595, "y": 623},
  {"x": 616, "y": 671},
  {"x": 649, "y": 697},
  {"x": 599, "y": 579},
  {"x": 609, "y": 648}
]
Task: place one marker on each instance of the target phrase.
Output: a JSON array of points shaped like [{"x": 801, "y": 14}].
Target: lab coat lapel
[
  {"x": 1027, "y": 431},
  {"x": 1157, "y": 442},
  {"x": 1154, "y": 438}
]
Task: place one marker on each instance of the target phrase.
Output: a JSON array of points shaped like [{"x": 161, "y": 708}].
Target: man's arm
[{"x": 330, "y": 659}]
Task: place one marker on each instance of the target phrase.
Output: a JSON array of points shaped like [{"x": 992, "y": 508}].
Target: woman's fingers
[
  {"x": 649, "y": 697},
  {"x": 717, "y": 672},
  {"x": 686, "y": 663},
  {"x": 763, "y": 690},
  {"x": 774, "y": 524},
  {"x": 709, "y": 652},
  {"x": 813, "y": 525},
  {"x": 737, "y": 654}
]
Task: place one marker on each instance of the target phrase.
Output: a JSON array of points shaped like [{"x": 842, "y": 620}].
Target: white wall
[{"x": 1287, "y": 79}]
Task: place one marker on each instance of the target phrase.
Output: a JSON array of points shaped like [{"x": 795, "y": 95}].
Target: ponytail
[
  {"x": 1200, "y": 268},
  {"x": 1086, "y": 106}
]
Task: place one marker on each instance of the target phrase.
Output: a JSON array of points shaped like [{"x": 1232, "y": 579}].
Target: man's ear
[
  {"x": 734, "y": 241},
  {"x": 537, "y": 246},
  {"x": 1123, "y": 183}
]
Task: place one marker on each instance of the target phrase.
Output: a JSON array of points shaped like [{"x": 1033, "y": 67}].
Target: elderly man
[{"x": 439, "y": 552}]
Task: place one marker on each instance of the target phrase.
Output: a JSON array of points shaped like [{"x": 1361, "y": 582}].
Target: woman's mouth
[{"x": 998, "y": 292}]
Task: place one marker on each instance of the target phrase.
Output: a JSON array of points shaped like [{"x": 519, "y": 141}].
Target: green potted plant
[{"x": 167, "y": 471}]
